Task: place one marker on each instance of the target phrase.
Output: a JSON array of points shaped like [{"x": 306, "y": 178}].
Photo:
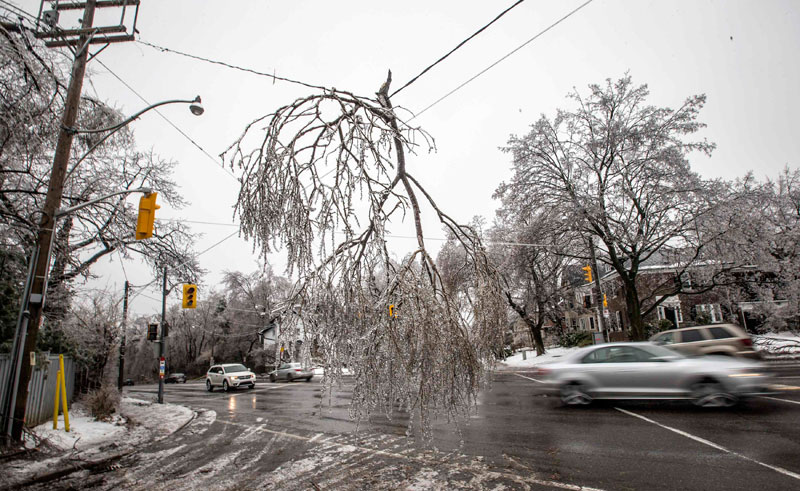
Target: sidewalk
[{"x": 91, "y": 443}]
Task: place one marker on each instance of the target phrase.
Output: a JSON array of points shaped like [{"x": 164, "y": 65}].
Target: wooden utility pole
[
  {"x": 51, "y": 205},
  {"x": 33, "y": 303}
]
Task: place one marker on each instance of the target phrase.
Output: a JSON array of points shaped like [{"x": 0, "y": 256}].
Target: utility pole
[
  {"x": 51, "y": 205},
  {"x": 161, "y": 360},
  {"x": 122, "y": 340},
  {"x": 30, "y": 318},
  {"x": 598, "y": 292}
]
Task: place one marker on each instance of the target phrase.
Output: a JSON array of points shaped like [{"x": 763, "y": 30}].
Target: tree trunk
[
  {"x": 633, "y": 310},
  {"x": 534, "y": 326}
]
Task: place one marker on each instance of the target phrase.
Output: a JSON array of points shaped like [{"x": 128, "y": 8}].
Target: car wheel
[
  {"x": 574, "y": 394},
  {"x": 308, "y": 379},
  {"x": 209, "y": 387},
  {"x": 710, "y": 393},
  {"x": 289, "y": 377},
  {"x": 225, "y": 387},
  {"x": 272, "y": 378}
]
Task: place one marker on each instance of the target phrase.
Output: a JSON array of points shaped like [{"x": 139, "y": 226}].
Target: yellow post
[
  {"x": 55, "y": 406},
  {"x": 63, "y": 391}
]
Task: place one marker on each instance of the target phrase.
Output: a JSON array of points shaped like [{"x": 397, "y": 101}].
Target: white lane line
[
  {"x": 775, "y": 468},
  {"x": 529, "y": 378},
  {"x": 779, "y": 399}
]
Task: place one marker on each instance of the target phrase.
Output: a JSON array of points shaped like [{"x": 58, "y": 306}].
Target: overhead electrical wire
[
  {"x": 462, "y": 43},
  {"x": 503, "y": 58},
  {"x": 234, "y": 67}
]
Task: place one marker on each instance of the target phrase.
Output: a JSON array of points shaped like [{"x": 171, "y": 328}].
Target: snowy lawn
[
  {"x": 137, "y": 422},
  {"x": 782, "y": 344},
  {"x": 551, "y": 354}
]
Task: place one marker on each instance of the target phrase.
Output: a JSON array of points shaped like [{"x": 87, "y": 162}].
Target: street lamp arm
[
  {"x": 196, "y": 108},
  {"x": 66, "y": 211}
]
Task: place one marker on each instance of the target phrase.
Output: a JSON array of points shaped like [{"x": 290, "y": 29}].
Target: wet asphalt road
[{"x": 280, "y": 436}]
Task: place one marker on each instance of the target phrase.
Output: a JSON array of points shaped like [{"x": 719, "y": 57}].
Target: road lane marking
[
  {"x": 775, "y": 468},
  {"x": 529, "y": 378},
  {"x": 375, "y": 451},
  {"x": 782, "y": 400}
]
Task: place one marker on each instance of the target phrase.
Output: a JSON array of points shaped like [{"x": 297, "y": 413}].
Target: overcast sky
[{"x": 741, "y": 54}]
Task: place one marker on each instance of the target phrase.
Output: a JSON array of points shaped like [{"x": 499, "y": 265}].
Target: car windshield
[
  {"x": 235, "y": 368},
  {"x": 177, "y": 375}
]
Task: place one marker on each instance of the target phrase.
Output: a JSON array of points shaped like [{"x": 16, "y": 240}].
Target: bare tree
[
  {"x": 327, "y": 179},
  {"x": 618, "y": 169},
  {"x": 532, "y": 249}
]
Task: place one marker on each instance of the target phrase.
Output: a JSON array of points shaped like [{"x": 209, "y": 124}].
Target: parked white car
[{"x": 230, "y": 376}]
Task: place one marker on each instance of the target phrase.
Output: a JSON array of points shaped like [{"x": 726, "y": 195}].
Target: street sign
[
  {"x": 606, "y": 313},
  {"x": 162, "y": 365},
  {"x": 597, "y": 338}
]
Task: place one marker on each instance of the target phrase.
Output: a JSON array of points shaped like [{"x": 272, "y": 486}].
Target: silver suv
[
  {"x": 714, "y": 339},
  {"x": 230, "y": 376}
]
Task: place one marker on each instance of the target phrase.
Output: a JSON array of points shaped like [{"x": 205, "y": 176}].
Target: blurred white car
[
  {"x": 290, "y": 372},
  {"x": 648, "y": 371},
  {"x": 230, "y": 376}
]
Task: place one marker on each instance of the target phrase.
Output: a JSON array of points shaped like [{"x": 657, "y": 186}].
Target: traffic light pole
[
  {"x": 120, "y": 378},
  {"x": 161, "y": 339},
  {"x": 598, "y": 292}
]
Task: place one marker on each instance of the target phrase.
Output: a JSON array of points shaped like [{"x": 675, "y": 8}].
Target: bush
[
  {"x": 575, "y": 338},
  {"x": 103, "y": 402}
]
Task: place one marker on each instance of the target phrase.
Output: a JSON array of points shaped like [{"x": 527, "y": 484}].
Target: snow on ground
[
  {"x": 138, "y": 421},
  {"x": 778, "y": 344},
  {"x": 551, "y": 354}
]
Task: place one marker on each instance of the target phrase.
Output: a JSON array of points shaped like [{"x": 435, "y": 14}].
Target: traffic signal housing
[
  {"x": 587, "y": 274},
  {"x": 147, "y": 216},
  {"x": 152, "y": 332},
  {"x": 189, "y": 296}
]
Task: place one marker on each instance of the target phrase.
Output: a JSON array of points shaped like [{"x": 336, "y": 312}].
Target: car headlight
[{"x": 746, "y": 374}]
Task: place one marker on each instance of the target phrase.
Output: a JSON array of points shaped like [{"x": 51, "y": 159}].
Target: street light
[{"x": 15, "y": 403}]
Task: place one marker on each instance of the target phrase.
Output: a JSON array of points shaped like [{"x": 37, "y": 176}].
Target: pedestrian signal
[{"x": 189, "y": 296}]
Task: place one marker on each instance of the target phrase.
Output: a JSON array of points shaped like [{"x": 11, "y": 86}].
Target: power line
[
  {"x": 169, "y": 121},
  {"x": 234, "y": 67},
  {"x": 14, "y": 9},
  {"x": 540, "y": 33},
  {"x": 462, "y": 43}
]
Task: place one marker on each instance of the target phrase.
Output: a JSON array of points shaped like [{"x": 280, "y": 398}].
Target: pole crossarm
[{"x": 66, "y": 211}]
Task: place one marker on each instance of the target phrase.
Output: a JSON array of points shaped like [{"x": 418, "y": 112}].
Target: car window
[
  {"x": 612, "y": 354},
  {"x": 642, "y": 355},
  {"x": 665, "y": 338},
  {"x": 283, "y": 367},
  {"x": 720, "y": 333},
  {"x": 294, "y": 365},
  {"x": 692, "y": 335},
  {"x": 235, "y": 368}
]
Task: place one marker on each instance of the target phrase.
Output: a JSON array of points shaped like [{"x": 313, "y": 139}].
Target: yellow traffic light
[
  {"x": 605, "y": 301},
  {"x": 147, "y": 216},
  {"x": 587, "y": 275},
  {"x": 189, "y": 296},
  {"x": 392, "y": 312}
]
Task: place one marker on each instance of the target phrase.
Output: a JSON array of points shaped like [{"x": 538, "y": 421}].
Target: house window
[
  {"x": 591, "y": 323},
  {"x": 712, "y": 310}
]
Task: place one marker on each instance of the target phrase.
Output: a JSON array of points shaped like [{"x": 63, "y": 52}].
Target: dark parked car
[
  {"x": 175, "y": 378},
  {"x": 128, "y": 381}
]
